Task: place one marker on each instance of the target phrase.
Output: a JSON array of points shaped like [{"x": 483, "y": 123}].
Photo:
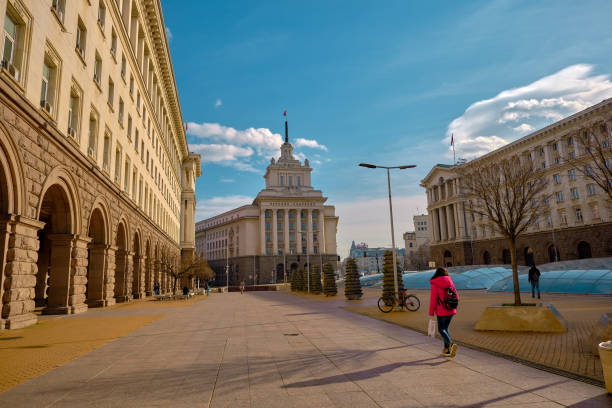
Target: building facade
[
  {"x": 286, "y": 227},
  {"x": 577, "y": 222},
  {"x": 96, "y": 180},
  {"x": 371, "y": 260},
  {"x": 417, "y": 243}
]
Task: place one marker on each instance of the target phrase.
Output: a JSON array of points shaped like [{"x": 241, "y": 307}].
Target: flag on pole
[
  {"x": 285, "y": 112},
  {"x": 186, "y": 126},
  {"x": 452, "y": 139}
]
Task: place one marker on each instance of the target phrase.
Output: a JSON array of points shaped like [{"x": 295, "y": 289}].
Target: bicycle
[{"x": 387, "y": 303}]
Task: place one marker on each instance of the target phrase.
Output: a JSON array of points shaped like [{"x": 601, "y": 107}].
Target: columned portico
[
  {"x": 286, "y": 231},
  {"x": 274, "y": 232}
]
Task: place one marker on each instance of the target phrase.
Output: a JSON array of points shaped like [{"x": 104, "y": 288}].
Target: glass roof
[{"x": 595, "y": 281}]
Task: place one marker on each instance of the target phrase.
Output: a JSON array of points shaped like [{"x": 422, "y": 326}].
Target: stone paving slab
[{"x": 271, "y": 349}]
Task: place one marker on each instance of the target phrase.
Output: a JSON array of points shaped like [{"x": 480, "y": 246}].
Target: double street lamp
[{"x": 374, "y": 166}]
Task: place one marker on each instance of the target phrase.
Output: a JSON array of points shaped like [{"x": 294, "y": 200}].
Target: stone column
[
  {"x": 298, "y": 228},
  {"x": 129, "y": 275},
  {"x": 274, "y": 233},
  {"x": 286, "y": 232},
  {"x": 148, "y": 276},
  {"x": 461, "y": 217},
  {"x": 450, "y": 221},
  {"x": 309, "y": 234},
  {"x": 109, "y": 276},
  {"x": 138, "y": 285},
  {"x": 95, "y": 275},
  {"x": 262, "y": 231},
  {"x": 443, "y": 223},
  {"x": 18, "y": 258},
  {"x": 156, "y": 273},
  {"x": 321, "y": 231},
  {"x": 78, "y": 279},
  {"x": 435, "y": 223},
  {"x": 60, "y": 272}
]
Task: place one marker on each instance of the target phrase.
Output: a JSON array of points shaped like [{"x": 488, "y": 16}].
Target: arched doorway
[
  {"x": 280, "y": 273},
  {"x": 448, "y": 258},
  {"x": 584, "y": 250},
  {"x": 528, "y": 255},
  {"x": 55, "y": 253},
  {"x": 553, "y": 254},
  {"x": 293, "y": 269},
  {"x": 486, "y": 258},
  {"x": 121, "y": 288},
  {"x": 96, "y": 267},
  {"x": 506, "y": 257}
]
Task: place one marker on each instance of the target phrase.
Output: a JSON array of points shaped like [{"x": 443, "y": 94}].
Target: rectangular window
[
  {"x": 123, "y": 66},
  {"x": 98, "y": 69},
  {"x": 135, "y": 139},
  {"x": 282, "y": 180},
  {"x": 299, "y": 181},
  {"x": 134, "y": 183},
  {"x": 557, "y": 160},
  {"x": 572, "y": 155},
  {"x": 578, "y": 215},
  {"x": 47, "y": 91},
  {"x": 118, "y": 165},
  {"x": 92, "y": 144},
  {"x": 138, "y": 102},
  {"x": 570, "y": 141},
  {"x": 279, "y": 225},
  {"x": 81, "y": 38},
  {"x": 595, "y": 211},
  {"x": 74, "y": 110},
  {"x": 290, "y": 180},
  {"x": 562, "y": 217},
  {"x": 59, "y": 8},
  {"x": 131, "y": 86},
  {"x": 129, "y": 130},
  {"x": 14, "y": 38},
  {"x": 142, "y": 149},
  {"x": 107, "y": 151},
  {"x": 101, "y": 14},
  {"x": 575, "y": 194},
  {"x": 557, "y": 178},
  {"x": 113, "y": 48},
  {"x": 111, "y": 92},
  {"x": 543, "y": 164},
  {"x": 555, "y": 146},
  {"x": 559, "y": 196},
  {"x": 121, "y": 108},
  {"x": 591, "y": 189},
  {"x": 549, "y": 220},
  {"x": 572, "y": 174},
  {"x": 126, "y": 175}
]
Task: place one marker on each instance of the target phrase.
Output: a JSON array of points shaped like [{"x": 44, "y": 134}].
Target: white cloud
[
  {"x": 168, "y": 34},
  {"x": 368, "y": 221},
  {"x": 262, "y": 139},
  {"x": 227, "y": 180},
  {"x": 209, "y": 207},
  {"x": 313, "y": 144},
  {"x": 523, "y": 128},
  {"x": 218, "y": 102},
  {"x": 491, "y": 123},
  {"x": 220, "y": 152}
]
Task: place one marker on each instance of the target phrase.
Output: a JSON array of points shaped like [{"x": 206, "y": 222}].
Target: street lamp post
[{"x": 374, "y": 166}]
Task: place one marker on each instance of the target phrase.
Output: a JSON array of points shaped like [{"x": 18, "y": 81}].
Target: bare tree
[
  {"x": 511, "y": 195},
  {"x": 196, "y": 268},
  {"x": 593, "y": 160}
]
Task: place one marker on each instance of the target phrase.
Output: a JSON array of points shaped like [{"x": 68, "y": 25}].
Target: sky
[{"x": 385, "y": 83}]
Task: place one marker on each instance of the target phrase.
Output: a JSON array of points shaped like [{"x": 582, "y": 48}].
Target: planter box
[{"x": 542, "y": 318}]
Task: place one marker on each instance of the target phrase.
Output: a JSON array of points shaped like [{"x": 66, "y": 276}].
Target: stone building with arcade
[
  {"x": 576, "y": 223},
  {"x": 96, "y": 180},
  {"x": 287, "y": 226}
]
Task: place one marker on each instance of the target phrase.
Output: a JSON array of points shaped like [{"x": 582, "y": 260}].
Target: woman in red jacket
[{"x": 440, "y": 282}]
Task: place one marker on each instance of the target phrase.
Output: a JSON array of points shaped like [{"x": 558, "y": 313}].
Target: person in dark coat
[
  {"x": 440, "y": 282},
  {"x": 534, "y": 279},
  {"x": 156, "y": 288}
]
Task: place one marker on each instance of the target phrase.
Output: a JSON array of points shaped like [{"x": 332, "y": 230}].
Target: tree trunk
[{"x": 515, "y": 281}]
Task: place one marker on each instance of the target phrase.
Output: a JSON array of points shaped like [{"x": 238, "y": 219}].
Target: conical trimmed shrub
[
  {"x": 294, "y": 283},
  {"x": 300, "y": 281},
  {"x": 315, "y": 280},
  {"x": 352, "y": 284},
  {"x": 388, "y": 287},
  {"x": 329, "y": 280}
]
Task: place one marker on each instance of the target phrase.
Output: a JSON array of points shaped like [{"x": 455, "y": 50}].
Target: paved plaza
[{"x": 273, "y": 349}]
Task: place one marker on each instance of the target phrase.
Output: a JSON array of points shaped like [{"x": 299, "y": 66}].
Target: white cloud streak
[
  {"x": 218, "y": 102},
  {"x": 168, "y": 34},
  {"x": 313, "y": 144},
  {"x": 491, "y": 123}
]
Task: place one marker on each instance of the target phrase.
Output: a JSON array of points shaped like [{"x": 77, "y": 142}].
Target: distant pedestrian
[
  {"x": 185, "y": 290},
  {"x": 534, "y": 279},
  {"x": 207, "y": 289},
  {"x": 242, "y": 285},
  {"x": 443, "y": 303},
  {"x": 156, "y": 288}
]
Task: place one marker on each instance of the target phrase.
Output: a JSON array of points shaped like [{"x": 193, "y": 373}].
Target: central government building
[
  {"x": 576, "y": 222},
  {"x": 286, "y": 227},
  {"x": 97, "y": 183}
]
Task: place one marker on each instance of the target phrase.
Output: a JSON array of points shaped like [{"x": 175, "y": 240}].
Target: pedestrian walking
[
  {"x": 534, "y": 279},
  {"x": 156, "y": 288},
  {"x": 207, "y": 289},
  {"x": 242, "y": 284},
  {"x": 443, "y": 303}
]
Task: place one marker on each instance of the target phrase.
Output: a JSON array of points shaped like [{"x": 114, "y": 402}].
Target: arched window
[
  {"x": 528, "y": 255},
  {"x": 447, "y": 254},
  {"x": 584, "y": 250},
  {"x": 486, "y": 257}
]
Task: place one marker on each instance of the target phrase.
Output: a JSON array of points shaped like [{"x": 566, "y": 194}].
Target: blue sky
[{"x": 379, "y": 82}]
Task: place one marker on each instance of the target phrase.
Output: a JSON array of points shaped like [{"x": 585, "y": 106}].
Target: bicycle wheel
[
  {"x": 412, "y": 303},
  {"x": 386, "y": 304}
]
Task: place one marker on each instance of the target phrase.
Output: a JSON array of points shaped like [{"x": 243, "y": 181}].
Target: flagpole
[{"x": 453, "y": 144}]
